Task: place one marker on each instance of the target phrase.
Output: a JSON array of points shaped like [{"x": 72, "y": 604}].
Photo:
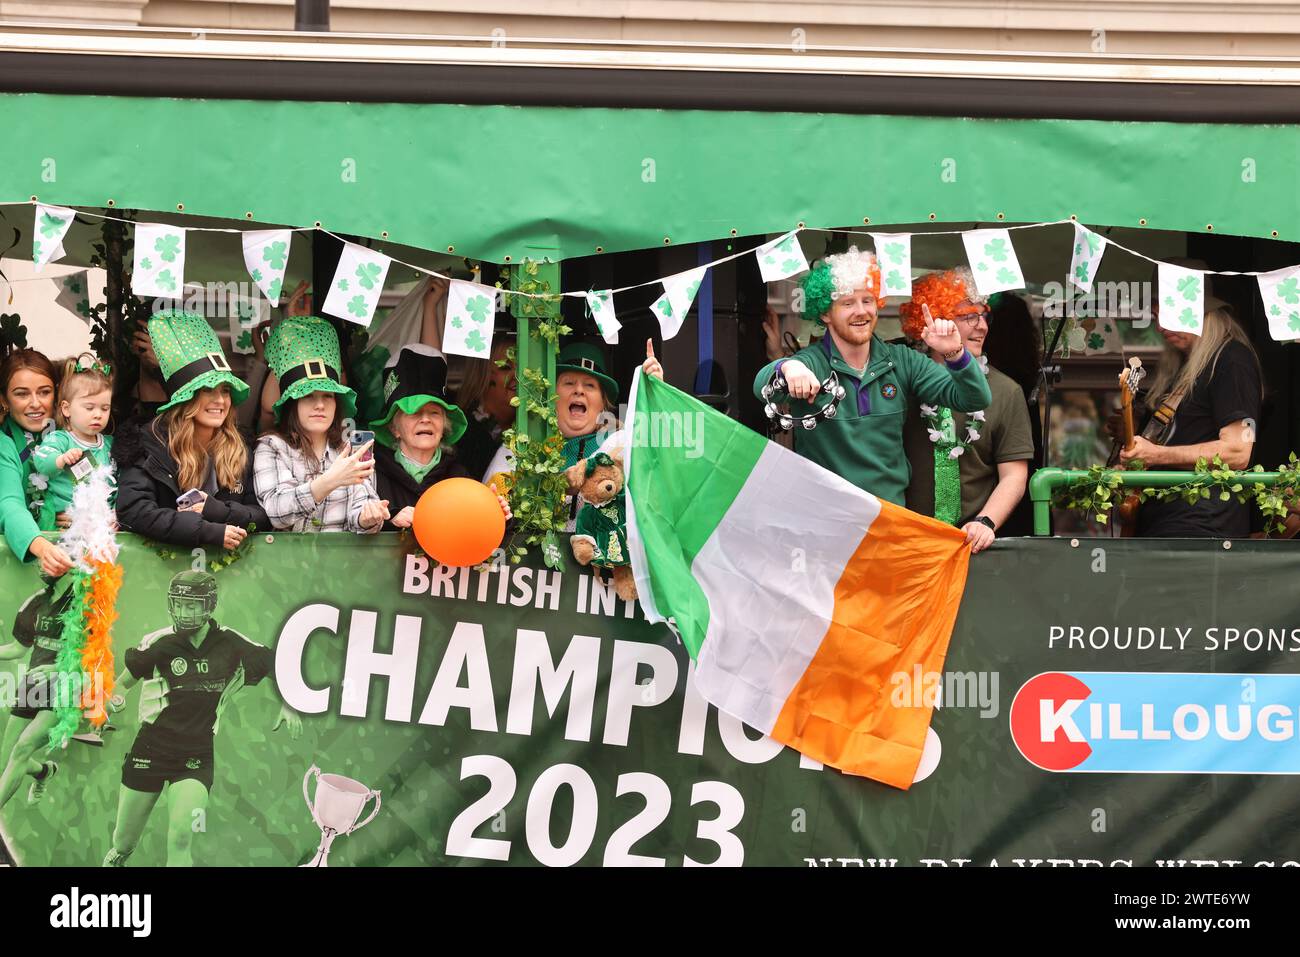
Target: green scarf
[{"x": 415, "y": 469}]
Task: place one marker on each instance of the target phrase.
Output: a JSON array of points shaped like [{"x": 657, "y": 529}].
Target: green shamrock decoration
[
  {"x": 367, "y": 274},
  {"x": 1190, "y": 287},
  {"x": 790, "y": 265},
  {"x": 274, "y": 255},
  {"x": 1275, "y": 310},
  {"x": 996, "y": 249},
  {"x": 894, "y": 252},
  {"x": 476, "y": 341},
  {"x": 1081, "y": 272},
  {"x": 168, "y": 247},
  {"x": 1293, "y": 322},
  {"x": 166, "y": 281},
  {"x": 1169, "y": 300},
  {"x": 72, "y": 286},
  {"x": 257, "y": 275},
  {"x": 1094, "y": 243},
  {"x": 1288, "y": 290},
  {"x": 769, "y": 259},
  {"x": 357, "y": 306},
  {"x": 36, "y": 250},
  {"x": 50, "y": 225},
  {"x": 146, "y": 263},
  {"x": 273, "y": 290},
  {"x": 456, "y": 322},
  {"x": 83, "y": 307},
  {"x": 894, "y": 280},
  {"x": 245, "y": 340},
  {"x": 665, "y": 307},
  {"x": 1095, "y": 341},
  {"x": 477, "y": 307},
  {"x": 343, "y": 285},
  {"x": 1078, "y": 249},
  {"x": 983, "y": 266},
  {"x": 1006, "y": 275},
  {"x": 785, "y": 246},
  {"x": 692, "y": 289},
  {"x": 1187, "y": 318}
]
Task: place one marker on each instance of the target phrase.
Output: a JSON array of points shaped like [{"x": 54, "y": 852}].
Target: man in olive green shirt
[
  {"x": 863, "y": 442},
  {"x": 967, "y": 469}
]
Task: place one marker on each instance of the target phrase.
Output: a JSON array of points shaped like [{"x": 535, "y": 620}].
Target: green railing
[{"x": 1046, "y": 481}]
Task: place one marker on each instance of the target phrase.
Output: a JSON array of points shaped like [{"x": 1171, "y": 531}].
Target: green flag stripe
[{"x": 689, "y": 463}]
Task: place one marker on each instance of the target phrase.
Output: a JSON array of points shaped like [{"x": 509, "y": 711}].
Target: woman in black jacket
[
  {"x": 412, "y": 439},
  {"x": 185, "y": 478}
]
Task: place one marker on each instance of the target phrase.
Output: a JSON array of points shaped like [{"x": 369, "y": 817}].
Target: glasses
[{"x": 972, "y": 318}]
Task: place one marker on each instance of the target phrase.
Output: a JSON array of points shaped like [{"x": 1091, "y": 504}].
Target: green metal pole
[{"x": 531, "y": 351}]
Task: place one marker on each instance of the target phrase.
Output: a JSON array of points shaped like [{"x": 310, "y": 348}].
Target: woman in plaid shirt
[{"x": 306, "y": 478}]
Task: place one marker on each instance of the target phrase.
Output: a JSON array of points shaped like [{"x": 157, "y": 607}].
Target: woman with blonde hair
[
  {"x": 186, "y": 477},
  {"x": 1204, "y": 401}
]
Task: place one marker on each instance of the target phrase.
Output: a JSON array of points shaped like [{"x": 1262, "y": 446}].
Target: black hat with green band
[
  {"x": 413, "y": 379},
  {"x": 589, "y": 359}
]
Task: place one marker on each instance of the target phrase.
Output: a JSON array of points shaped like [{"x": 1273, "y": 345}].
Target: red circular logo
[{"x": 1029, "y": 715}]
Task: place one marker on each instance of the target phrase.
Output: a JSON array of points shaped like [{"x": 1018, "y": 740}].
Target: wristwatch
[{"x": 985, "y": 520}]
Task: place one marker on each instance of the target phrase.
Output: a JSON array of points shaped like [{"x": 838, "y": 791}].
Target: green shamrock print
[
  {"x": 894, "y": 253},
  {"x": 36, "y": 250},
  {"x": 1078, "y": 249},
  {"x": 692, "y": 289},
  {"x": 983, "y": 266},
  {"x": 1081, "y": 272},
  {"x": 146, "y": 263},
  {"x": 367, "y": 273},
  {"x": 790, "y": 265},
  {"x": 894, "y": 280},
  {"x": 273, "y": 290},
  {"x": 1095, "y": 341},
  {"x": 1187, "y": 318},
  {"x": 769, "y": 259},
  {"x": 72, "y": 286},
  {"x": 665, "y": 307},
  {"x": 168, "y": 247},
  {"x": 476, "y": 341},
  {"x": 343, "y": 285},
  {"x": 1293, "y": 322},
  {"x": 1169, "y": 300},
  {"x": 274, "y": 255},
  {"x": 50, "y": 225},
  {"x": 166, "y": 281},
  {"x": 1094, "y": 243},
  {"x": 1288, "y": 290},
  {"x": 245, "y": 340},
  {"x": 1006, "y": 275},
  {"x": 1275, "y": 310},
  {"x": 357, "y": 306},
  {"x": 83, "y": 307},
  {"x": 456, "y": 322},
  {"x": 257, "y": 275},
  {"x": 1190, "y": 287},
  {"x": 786, "y": 246},
  {"x": 477, "y": 307},
  {"x": 996, "y": 249}
]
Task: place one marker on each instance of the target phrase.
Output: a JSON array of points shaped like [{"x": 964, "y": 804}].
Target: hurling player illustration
[{"x": 187, "y": 674}]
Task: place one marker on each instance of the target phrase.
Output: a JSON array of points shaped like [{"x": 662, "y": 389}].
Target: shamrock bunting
[
  {"x": 601, "y": 305},
  {"x": 159, "y": 261},
  {"x": 1088, "y": 247},
  {"x": 50, "y": 227},
  {"x": 992, "y": 260},
  {"x": 894, "y": 253},
  {"x": 74, "y": 294},
  {"x": 357, "y": 284},
  {"x": 471, "y": 310},
  {"x": 245, "y": 316},
  {"x": 266, "y": 256},
  {"x": 1182, "y": 298},
  {"x": 1280, "y": 290},
  {"x": 781, "y": 258},
  {"x": 679, "y": 292}
]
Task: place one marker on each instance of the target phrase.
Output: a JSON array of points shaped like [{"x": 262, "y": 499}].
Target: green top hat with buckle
[
  {"x": 190, "y": 357},
  {"x": 416, "y": 376},
  {"x": 303, "y": 352},
  {"x": 588, "y": 358}
]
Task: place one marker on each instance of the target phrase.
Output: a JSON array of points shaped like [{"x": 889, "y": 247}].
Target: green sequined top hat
[
  {"x": 413, "y": 378},
  {"x": 190, "y": 357},
  {"x": 303, "y": 352},
  {"x": 589, "y": 358}
]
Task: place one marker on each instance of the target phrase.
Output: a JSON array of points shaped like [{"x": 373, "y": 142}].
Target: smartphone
[
  {"x": 192, "y": 497},
  {"x": 360, "y": 438}
]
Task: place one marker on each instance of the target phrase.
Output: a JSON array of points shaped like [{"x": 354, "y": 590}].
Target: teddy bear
[{"x": 600, "y": 534}]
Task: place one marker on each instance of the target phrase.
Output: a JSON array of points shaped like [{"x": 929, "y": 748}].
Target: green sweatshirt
[
  {"x": 59, "y": 494},
  {"x": 20, "y": 500},
  {"x": 864, "y": 442}
]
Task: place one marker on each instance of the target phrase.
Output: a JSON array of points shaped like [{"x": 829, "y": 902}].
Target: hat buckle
[
  {"x": 315, "y": 369},
  {"x": 218, "y": 361},
  {"x": 587, "y": 364}
]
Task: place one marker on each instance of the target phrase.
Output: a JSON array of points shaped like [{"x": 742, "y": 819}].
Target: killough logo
[{"x": 1131, "y": 722}]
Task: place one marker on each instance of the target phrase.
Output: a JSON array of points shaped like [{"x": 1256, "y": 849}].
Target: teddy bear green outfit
[
  {"x": 303, "y": 352},
  {"x": 604, "y": 524},
  {"x": 190, "y": 357}
]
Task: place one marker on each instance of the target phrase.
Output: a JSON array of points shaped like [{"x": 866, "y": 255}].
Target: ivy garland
[{"x": 1095, "y": 495}]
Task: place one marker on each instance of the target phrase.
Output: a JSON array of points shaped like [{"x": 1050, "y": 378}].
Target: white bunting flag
[
  {"x": 357, "y": 284},
  {"x": 1088, "y": 247},
  {"x": 471, "y": 311},
  {"x": 679, "y": 292},
  {"x": 781, "y": 258},
  {"x": 245, "y": 316},
  {"x": 74, "y": 294},
  {"x": 51, "y": 225},
  {"x": 1182, "y": 298},
  {"x": 894, "y": 254},
  {"x": 266, "y": 255},
  {"x": 992, "y": 260},
  {"x": 1280, "y": 291},
  {"x": 601, "y": 305},
  {"x": 159, "y": 268}
]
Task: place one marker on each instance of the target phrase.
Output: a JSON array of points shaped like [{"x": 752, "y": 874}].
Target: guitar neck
[{"x": 1126, "y": 414}]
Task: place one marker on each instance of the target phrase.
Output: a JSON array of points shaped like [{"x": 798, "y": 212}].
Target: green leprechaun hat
[
  {"x": 589, "y": 358},
  {"x": 303, "y": 352},
  {"x": 413, "y": 378},
  {"x": 190, "y": 357}
]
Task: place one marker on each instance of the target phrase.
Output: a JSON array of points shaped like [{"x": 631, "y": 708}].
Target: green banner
[{"x": 1115, "y": 703}]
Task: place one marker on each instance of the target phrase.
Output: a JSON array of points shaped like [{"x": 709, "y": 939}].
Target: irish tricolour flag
[{"x": 801, "y": 598}]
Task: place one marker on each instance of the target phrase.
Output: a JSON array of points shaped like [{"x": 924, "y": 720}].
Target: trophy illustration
[{"x": 339, "y": 801}]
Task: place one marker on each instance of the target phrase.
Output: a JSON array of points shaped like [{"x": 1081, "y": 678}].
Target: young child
[{"x": 85, "y": 402}]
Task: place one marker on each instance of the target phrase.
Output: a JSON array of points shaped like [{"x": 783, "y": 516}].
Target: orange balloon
[{"x": 459, "y": 522}]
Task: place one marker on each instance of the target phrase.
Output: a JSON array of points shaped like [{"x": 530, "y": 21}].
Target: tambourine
[{"x": 830, "y": 387}]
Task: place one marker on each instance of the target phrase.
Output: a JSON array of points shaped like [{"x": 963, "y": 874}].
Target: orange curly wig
[{"x": 943, "y": 292}]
